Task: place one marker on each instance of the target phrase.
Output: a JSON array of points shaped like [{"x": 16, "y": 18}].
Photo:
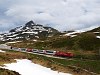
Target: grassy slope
[
  {"x": 55, "y": 64},
  {"x": 84, "y": 41},
  {"x": 66, "y": 44},
  {"x": 83, "y": 58},
  {"x": 7, "y": 72}
]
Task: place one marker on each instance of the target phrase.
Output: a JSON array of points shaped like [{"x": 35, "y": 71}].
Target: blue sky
[{"x": 59, "y": 14}]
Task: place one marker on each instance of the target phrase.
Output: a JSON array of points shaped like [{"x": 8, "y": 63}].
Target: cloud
[{"x": 60, "y": 14}]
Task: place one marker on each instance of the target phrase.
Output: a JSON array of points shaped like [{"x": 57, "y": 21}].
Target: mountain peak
[
  {"x": 30, "y": 23},
  {"x": 29, "y": 31}
]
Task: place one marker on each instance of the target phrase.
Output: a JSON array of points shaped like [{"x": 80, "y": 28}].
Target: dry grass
[
  {"x": 55, "y": 64},
  {"x": 7, "y": 72}
]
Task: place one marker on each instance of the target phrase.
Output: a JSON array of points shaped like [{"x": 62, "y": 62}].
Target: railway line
[{"x": 47, "y": 53}]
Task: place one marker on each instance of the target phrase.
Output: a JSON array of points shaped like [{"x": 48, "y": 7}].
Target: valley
[{"x": 85, "y": 45}]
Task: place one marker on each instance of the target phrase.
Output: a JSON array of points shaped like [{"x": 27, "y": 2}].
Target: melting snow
[
  {"x": 34, "y": 40},
  {"x": 98, "y": 37},
  {"x": 2, "y": 51},
  {"x": 71, "y": 34},
  {"x": 96, "y": 32},
  {"x": 31, "y": 32},
  {"x": 13, "y": 42},
  {"x": 26, "y": 67},
  {"x": 13, "y": 35}
]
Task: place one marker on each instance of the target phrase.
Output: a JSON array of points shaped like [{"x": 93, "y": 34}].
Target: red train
[
  {"x": 48, "y": 52},
  {"x": 64, "y": 54}
]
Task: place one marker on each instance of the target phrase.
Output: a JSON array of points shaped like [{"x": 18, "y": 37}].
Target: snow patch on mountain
[
  {"x": 98, "y": 37},
  {"x": 31, "y": 30},
  {"x": 74, "y": 33}
]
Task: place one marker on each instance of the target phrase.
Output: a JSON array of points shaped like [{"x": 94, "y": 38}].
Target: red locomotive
[{"x": 64, "y": 54}]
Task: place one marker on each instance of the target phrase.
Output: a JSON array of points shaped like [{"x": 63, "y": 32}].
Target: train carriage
[
  {"x": 29, "y": 50},
  {"x": 35, "y": 50},
  {"x": 23, "y": 49},
  {"x": 50, "y": 52},
  {"x": 41, "y": 51},
  {"x": 16, "y": 49}
]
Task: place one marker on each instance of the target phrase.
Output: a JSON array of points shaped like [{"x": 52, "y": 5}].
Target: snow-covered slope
[
  {"x": 31, "y": 68},
  {"x": 94, "y": 29},
  {"x": 2, "y": 51}
]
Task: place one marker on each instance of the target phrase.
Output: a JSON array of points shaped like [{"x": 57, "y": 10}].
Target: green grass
[{"x": 90, "y": 65}]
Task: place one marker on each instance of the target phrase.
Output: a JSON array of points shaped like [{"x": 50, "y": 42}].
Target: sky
[{"x": 63, "y": 15}]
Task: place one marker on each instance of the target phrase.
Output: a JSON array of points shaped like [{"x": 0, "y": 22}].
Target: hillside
[
  {"x": 88, "y": 40},
  {"x": 96, "y": 30},
  {"x": 8, "y": 72},
  {"x": 85, "y": 47},
  {"x": 73, "y": 66}
]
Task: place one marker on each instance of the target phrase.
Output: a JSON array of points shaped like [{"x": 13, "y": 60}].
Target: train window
[
  {"x": 41, "y": 51},
  {"x": 23, "y": 49},
  {"x": 49, "y": 51}
]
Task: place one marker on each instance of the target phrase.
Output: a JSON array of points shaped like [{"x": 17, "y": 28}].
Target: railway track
[{"x": 4, "y": 46}]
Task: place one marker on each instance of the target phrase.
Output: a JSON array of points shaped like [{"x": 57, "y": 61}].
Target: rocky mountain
[{"x": 30, "y": 30}]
